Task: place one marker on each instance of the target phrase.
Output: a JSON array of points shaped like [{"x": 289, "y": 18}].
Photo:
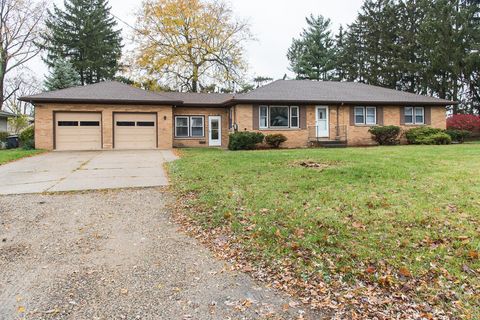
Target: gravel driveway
[{"x": 116, "y": 255}]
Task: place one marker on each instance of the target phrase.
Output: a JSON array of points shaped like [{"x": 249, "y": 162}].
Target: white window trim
[
  {"x": 374, "y": 114},
  {"x": 188, "y": 126},
  {"x": 260, "y": 117},
  {"x": 297, "y": 116},
  {"x": 191, "y": 126},
  {"x": 278, "y": 127},
  {"x": 414, "y": 115},
  {"x": 364, "y": 114},
  {"x": 355, "y": 115}
]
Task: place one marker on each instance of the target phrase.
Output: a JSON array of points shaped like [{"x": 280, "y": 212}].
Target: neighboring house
[
  {"x": 4, "y": 120},
  {"x": 112, "y": 115}
]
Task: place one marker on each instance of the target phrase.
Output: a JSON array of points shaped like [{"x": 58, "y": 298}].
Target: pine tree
[
  {"x": 312, "y": 56},
  {"x": 85, "y": 34},
  {"x": 63, "y": 75}
]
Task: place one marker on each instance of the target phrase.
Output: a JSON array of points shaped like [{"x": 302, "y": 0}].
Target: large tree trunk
[
  {"x": 195, "y": 79},
  {"x": 3, "y": 67}
]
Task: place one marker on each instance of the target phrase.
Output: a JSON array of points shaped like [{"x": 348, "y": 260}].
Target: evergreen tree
[
  {"x": 85, "y": 34},
  {"x": 421, "y": 46},
  {"x": 62, "y": 76},
  {"x": 312, "y": 56}
]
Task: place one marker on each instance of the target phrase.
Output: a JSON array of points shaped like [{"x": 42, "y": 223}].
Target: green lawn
[
  {"x": 411, "y": 213},
  {"x": 15, "y": 154}
]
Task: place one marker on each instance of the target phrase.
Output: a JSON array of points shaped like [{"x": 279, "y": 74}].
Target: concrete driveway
[{"x": 85, "y": 170}]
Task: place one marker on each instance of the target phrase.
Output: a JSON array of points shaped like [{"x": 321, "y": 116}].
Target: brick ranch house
[{"x": 112, "y": 115}]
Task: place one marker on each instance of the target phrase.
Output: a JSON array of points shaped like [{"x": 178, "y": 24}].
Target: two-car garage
[{"x": 83, "y": 130}]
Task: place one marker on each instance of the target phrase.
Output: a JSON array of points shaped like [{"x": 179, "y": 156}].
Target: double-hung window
[
  {"x": 189, "y": 126},
  {"x": 294, "y": 117},
  {"x": 196, "y": 127},
  {"x": 281, "y": 117},
  {"x": 365, "y": 115},
  {"x": 414, "y": 115},
  {"x": 263, "y": 117}
]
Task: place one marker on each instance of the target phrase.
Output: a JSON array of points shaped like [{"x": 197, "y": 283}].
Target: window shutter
[
  {"x": 303, "y": 117},
  {"x": 352, "y": 116},
  {"x": 255, "y": 116},
  {"x": 402, "y": 116},
  {"x": 428, "y": 115},
  {"x": 380, "y": 116}
]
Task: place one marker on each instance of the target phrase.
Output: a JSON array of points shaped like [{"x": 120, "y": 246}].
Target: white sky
[{"x": 273, "y": 23}]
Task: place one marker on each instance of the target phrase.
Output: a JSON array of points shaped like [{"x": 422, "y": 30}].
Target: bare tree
[
  {"x": 21, "y": 84},
  {"x": 20, "y": 23}
]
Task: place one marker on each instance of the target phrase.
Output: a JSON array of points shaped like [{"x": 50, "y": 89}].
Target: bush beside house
[
  {"x": 245, "y": 140},
  {"x": 468, "y": 122},
  {"x": 27, "y": 138},
  {"x": 427, "y": 135},
  {"x": 3, "y": 140},
  {"x": 385, "y": 135},
  {"x": 275, "y": 140},
  {"x": 458, "y": 136}
]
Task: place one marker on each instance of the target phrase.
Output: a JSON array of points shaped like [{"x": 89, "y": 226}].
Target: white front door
[
  {"x": 322, "y": 122},
  {"x": 214, "y": 131}
]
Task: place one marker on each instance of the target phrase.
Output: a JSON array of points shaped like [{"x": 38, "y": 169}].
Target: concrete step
[{"x": 329, "y": 144}]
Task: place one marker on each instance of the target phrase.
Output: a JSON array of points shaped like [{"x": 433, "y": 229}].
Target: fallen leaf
[
  {"x": 370, "y": 269},
  {"x": 405, "y": 272},
  {"x": 473, "y": 254}
]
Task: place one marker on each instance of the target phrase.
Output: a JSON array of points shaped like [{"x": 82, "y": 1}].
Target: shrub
[
  {"x": 437, "y": 138},
  {"x": 467, "y": 122},
  {"x": 27, "y": 138},
  {"x": 3, "y": 140},
  {"x": 275, "y": 140},
  {"x": 427, "y": 135},
  {"x": 244, "y": 140},
  {"x": 385, "y": 135},
  {"x": 414, "y": 135},
  {"x": 3, "y": 136},
  {"x": 458, "y": 135}
]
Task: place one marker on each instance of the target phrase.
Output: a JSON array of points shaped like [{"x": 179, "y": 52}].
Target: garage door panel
[
  {"x": 78, "y": 131},
  {"x": 135, "y": 131}
]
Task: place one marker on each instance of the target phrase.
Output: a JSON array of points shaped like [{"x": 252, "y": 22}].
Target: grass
[
  {"x": 414, "y": 208},
  {"x": 15, "y": 154}
]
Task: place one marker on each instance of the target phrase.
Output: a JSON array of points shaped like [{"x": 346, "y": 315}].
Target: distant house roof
[
  {"x": 5, "y": 114},
  {"x": 199, "y": 99},
  {"x": 277, "y": 92},
  {"x": 307, "y": 91},
  {"x": 110, "y": 92}
]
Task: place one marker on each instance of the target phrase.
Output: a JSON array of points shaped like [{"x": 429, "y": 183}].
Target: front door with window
[
  {"x": 322, "y": 125},
  {"x": 215, "y": 131}
]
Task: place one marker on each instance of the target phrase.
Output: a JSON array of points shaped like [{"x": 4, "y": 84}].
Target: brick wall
[
  {"x": 356, "y": 135},
  {"x": 205, "y": 112},
  {"x": 44, "y": 134}
]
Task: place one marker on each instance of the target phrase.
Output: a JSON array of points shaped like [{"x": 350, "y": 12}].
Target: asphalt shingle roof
[
  {"x": 189, "y": 98},
  {"x": 102, "y": 92},
  {"x": 334, "y": 92},
  {"x": 280, "y": 91}
]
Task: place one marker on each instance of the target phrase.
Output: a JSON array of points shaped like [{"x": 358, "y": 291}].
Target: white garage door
[
  {"x": 78, "y": 131},
  {"x": 135, "y": 131}
]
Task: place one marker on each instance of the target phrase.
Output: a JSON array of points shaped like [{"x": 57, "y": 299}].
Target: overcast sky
[{"x": 273, "y": 22}]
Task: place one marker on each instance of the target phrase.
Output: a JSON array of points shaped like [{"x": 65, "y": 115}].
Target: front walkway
[{"x": 85, "y": 170}]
